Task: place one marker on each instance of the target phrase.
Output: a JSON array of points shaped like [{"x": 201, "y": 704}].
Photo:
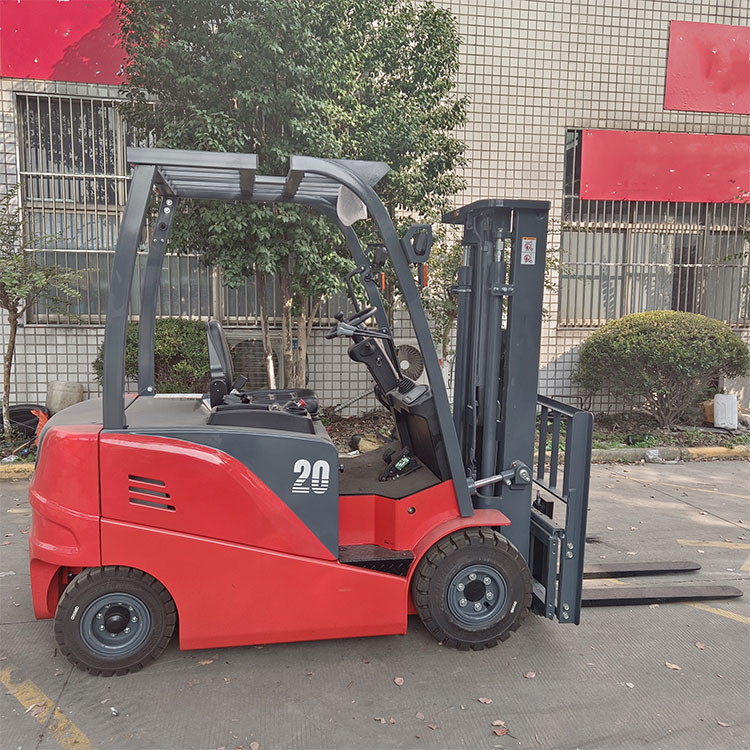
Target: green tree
[
  {"x": 180, "y": 356},
  {"x": 23, "y": 282},
  {"x": 660, "y": 361},
  {"x": 370, "y": 79}
]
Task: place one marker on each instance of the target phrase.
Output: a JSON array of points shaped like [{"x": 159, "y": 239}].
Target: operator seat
[{"x": 222, "y": 376}]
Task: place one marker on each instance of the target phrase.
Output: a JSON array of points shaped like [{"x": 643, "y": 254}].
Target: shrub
[
  {"x": 180, "y": 356},
  {"x": 660, "y": 361}
]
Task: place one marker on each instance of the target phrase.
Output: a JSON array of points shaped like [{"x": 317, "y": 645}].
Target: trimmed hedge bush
[
  {"x": 180, "y": 356},
  {"x": 660, "y": 361}
]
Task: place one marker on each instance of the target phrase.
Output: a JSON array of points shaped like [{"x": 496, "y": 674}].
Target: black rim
[
  {"x": 115, "y": 625},
  {"x": 477, "y": 596}
]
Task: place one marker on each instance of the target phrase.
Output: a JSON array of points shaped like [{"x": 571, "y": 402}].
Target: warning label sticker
[{"x": 528, "y": 251}]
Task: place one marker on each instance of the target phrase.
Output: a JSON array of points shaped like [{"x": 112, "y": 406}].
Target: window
[
  {"x": 621, "y": 257},
  {"x": 74, "y": 180}
]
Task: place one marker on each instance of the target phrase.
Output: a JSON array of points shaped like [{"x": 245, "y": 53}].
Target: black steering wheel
[{"x": 353, "y": 320}]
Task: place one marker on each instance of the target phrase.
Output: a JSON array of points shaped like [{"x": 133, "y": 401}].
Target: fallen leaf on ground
[
  {"x": 722, "y": 723},
  {"x": 309, "y": 673},
  {"x": 381, "y": 719},
  {"x": 419, "y": 715},
  {"x": 700, "y": 646},
  {"x": 391, "y": 720},
  {"x": 227, "y": 680},
  {"x": 399, "y": 681},
  {"x": 432, "y": 726},
  {"x": 59, "y": 672},
  {"x": 500, "y": 732},
  {"x": 669, "y": 665},
  {"x": 486, "y": 701},
  {"x": 529, "y": 675},
  {"x": 203, "y": 662},
  {"x": 255, "y": 746},
  {"x": 634, "y": 528},
  {"x": 498, "y": 723}
]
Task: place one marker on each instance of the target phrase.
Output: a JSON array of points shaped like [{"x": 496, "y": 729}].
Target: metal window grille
[
  {"x": 621, "y": 257},
  {"x": 74, "y": 181}
]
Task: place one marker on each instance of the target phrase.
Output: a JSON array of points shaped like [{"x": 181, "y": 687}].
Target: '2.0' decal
[{"x": 311, "y": 477}]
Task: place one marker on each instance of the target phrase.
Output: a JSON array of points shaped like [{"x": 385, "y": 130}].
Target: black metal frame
[{"x": 557, "y": 551}]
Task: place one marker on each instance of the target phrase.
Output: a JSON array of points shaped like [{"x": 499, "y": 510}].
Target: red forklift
[{"x": 232, "y": 513}]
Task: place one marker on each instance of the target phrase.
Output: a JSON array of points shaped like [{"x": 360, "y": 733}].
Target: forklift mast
[{"x": 500, "y": 289}]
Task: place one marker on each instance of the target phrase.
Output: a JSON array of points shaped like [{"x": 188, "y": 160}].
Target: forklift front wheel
[
  {"x": 114, "y": 620},
  {"x": 472, "y": 589}
]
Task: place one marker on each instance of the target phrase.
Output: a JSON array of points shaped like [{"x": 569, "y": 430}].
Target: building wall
[{"x": 533, "y": 70}]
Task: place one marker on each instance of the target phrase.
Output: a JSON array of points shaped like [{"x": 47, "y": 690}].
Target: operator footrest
[{"x": 374, "y": 557}]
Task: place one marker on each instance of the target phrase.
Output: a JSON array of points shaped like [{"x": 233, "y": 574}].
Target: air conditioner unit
[{"x": 248, "y": 358}]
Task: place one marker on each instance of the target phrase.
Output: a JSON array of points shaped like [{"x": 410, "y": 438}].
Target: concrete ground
[{"x": 604, "y": 684}]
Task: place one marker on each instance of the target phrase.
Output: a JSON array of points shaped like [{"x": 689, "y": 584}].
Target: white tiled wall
[{"x": 532, "y": 69}]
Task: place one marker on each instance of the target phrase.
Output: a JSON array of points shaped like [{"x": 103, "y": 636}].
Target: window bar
[{"x": 51, "y": 166}]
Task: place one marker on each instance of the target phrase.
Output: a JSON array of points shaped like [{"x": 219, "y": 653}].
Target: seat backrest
[{"x": 219, "y": 356}]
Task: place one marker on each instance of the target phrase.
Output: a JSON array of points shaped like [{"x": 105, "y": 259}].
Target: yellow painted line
[
  {"x": 709, "y": 451},
  {"x": 38, "y": 705},
  {"x": 746, "y": 565},
  {"x": 721, "y": 612},
  {"x": 723, "y": 545}
]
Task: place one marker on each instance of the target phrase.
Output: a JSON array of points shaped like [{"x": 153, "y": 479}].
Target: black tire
[
  {"x": 472, "y": 589},
  {"x": 114, "y": 620}
]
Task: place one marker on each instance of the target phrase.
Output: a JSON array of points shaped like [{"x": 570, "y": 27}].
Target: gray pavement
[{"x": 603, "y": 684}]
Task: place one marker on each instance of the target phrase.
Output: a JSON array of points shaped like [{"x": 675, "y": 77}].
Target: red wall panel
[
  {"x": 635, "y": 165},
  {"x": 708, "y": 69},
  {"x": 60, "y": 41}
]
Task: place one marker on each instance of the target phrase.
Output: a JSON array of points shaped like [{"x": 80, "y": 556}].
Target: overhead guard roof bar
[{"x": 225, "y": 176}]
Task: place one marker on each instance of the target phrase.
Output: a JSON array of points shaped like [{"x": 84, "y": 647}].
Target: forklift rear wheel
[
  {"x": 472, "y": 589},
  {"x": 114, "y": 620}
]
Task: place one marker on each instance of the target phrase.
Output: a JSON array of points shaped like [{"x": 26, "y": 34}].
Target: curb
[
  {"x": 667, "y": 453},
  {"x": 16, "y": 471},
  {"x": 598, "y": 456}
]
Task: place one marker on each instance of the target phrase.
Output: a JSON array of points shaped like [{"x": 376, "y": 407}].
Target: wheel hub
[
  {"x": 115, "y": 624},
  {"x": 116, "y": 619},
  {"x": 477, "y": 595}
]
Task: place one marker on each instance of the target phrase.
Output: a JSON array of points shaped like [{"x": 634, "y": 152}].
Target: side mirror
[
  {"x": 417, "y": 243},
  {"x": 379, "y": 257}
]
